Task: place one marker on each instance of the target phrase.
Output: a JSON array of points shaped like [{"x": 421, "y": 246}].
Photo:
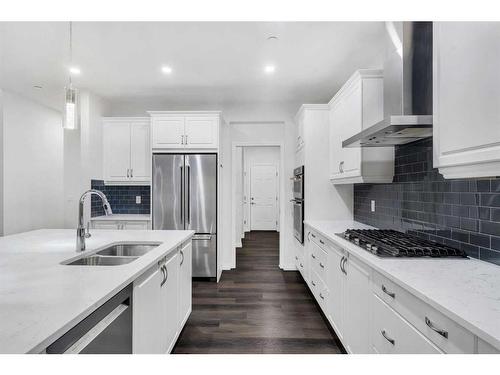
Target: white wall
[
  {"x": 32, "y": 165},
  {"x": 83, "y": 155}
]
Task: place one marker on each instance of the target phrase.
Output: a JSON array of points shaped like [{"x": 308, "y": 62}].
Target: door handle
[
  {"x": 182, "y": 139},
  {"x": 182, "y": 193},
  {"x": 390, "y": 294},
  {"x": 131, "y": 172},
  {"x": 437, "y": 330},
  {"x": 128, "y": 173},
  {"x": 188, "y": 193},
  {"x": 343, "y": 265},
  {"x": 182, "y": 260},
  {"x": 165, "y": 275},
  {"x": 387, "y": 337}
]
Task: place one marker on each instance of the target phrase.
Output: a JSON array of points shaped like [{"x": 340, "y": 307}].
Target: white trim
[
  {"x": 357, "y": 76},
  {"x": 125, "y": 119},
  {"x": 281, "y": 180}
]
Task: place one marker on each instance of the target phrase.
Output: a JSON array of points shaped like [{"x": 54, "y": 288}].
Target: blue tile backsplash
[
  {"x": 121, "y": 198},
  {"x": 461, "y": 213}
]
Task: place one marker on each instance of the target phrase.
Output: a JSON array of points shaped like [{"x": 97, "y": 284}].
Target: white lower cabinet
[
  {"x": 162, "y": 303},
  {"x": 372, "y": 314},
  {"x": 391, "y": 334},
  {"x": 185, "y": 284}
]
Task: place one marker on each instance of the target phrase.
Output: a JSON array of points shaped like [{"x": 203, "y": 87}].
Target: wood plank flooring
[{"x": 256, "y": 308}]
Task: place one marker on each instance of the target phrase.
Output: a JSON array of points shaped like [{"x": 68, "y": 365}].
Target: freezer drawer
[{"x": 205, "y": 255}]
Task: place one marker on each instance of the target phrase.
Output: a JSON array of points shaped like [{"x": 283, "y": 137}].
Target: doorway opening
[{"x": 257, "y": 201}]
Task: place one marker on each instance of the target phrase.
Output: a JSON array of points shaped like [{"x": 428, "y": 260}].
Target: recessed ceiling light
[
  {"x": 37, "y": 87},
  {"x": 166, "y": 69},
  {"x": 269, "y": 69},
  {"x": 74, "y": 70},
  {"x": 272, "y": 37}
]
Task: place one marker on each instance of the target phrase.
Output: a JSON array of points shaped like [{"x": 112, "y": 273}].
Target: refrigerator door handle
[
  {"x": 182, "y": 193},
  {"x": 188, "y": 192},
  {"x": 202, "y": 237}
]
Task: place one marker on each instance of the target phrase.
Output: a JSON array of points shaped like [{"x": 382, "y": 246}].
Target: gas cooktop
[{"x": 391, "y": 243}]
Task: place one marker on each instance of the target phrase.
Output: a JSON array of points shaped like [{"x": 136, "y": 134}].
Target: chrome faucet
[{"x": 81, "y": 234}]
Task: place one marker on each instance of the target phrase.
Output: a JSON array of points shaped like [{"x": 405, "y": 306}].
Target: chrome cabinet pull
[
  {"x": 186, "y": 139},
  {"x": 340, "y": 171},
  {"x": 131, "y": 172},
  {"x": 390, "y": 294},
  {"x": 182, "y": 193},
  {"x": 313, "y": 256},
  {"x": 128, "y": 173},
  {"x": 341, "y": 260},
  {"x": 435, "y": 329},
  {"x": 313, "y": 283},
  {"x": 321, "y": 265},
  {"x": 387, "y": 337},
  {"x": 301, "y": 265},
  {"x": 182, "y": 139},
  {"x": 321, "y": 242},
  {"x": 182, "y": 260},
  {"x": 343, "y": 265},
  {"x": 321, "y": 296},
  {"x": 313, "y": 235},
  {"x": 163, "y": 271}
]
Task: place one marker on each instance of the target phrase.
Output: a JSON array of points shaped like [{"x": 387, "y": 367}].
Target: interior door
[
  {"x": 140, "y": 152},
  {"x": 201, "y": 193},
  {"x": 168, "y": 191},
  {"x": 263, "y": 197},
  {"x": 116, "y": 138}
]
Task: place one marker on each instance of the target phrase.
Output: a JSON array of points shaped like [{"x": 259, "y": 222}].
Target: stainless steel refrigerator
[{"x": 185, "y": 197}]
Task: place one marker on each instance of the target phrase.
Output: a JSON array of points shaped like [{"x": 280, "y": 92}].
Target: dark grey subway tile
[
  {"x": 480, "y": 239},
  {"x": 489, "y": 227},
  {"x": 491, "y": 256}
]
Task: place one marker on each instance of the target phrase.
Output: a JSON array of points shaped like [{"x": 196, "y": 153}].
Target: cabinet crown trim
[
  {"x": 186, "y": 113},
  {"x": 121, "y": 118},
  {"x": 355, "y": 78},
  {"x": 311, "y": 107}
]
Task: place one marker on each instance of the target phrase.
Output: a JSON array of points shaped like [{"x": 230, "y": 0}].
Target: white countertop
[
  {"x": 466, "y": 290},
  {"x": 124, "y": 217},
  {"x": 40, "y": 299}
]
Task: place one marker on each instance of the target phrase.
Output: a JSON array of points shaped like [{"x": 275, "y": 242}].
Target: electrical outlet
[
  {"x": 373, "y": 206},
  {"x": 137, "y": 199}
]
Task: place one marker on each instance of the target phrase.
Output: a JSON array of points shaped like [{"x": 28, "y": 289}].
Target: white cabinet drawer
[
  {"x": 318, "y": 260},
  {"x": 391, "y": 334},
  {"x": 320, "y": 291},
  {"x": 452, "y": 337}
]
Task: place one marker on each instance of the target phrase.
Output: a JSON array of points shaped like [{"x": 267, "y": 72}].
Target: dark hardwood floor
[{"x": 256, "y": 308}]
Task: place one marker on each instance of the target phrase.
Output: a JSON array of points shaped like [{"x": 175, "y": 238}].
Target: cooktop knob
[{"x": 356, "y": 241}]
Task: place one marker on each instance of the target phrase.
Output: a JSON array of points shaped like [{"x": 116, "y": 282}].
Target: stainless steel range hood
[{"x": 407, "y": 88}]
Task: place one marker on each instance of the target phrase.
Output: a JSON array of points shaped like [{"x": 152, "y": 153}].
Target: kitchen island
[{"x": 41, "y": 297}]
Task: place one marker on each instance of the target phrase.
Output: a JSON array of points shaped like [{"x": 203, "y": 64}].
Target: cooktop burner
[{"x": 391, "y": 243}]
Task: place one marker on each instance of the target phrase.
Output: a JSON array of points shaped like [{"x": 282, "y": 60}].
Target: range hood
[{"x": 407, "y": 88}]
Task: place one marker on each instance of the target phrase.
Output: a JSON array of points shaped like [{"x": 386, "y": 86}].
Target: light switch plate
[
  {"x": 138, "y": 199},
  {"x": 372, "y": 206}
]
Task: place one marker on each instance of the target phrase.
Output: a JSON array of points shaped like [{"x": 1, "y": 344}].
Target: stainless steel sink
[
  {"x": 127, "y": 250},
  {"x": 98, "y": 260}
]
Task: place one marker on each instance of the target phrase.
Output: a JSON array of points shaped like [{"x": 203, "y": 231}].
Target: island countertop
[{"x": 41, "y": 298}]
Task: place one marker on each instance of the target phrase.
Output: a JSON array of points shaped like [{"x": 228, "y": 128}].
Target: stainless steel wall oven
[{"x": 298, "y": 203}]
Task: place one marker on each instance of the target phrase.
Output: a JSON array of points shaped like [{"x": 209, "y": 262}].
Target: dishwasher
[{"x": 108, "y": 330}]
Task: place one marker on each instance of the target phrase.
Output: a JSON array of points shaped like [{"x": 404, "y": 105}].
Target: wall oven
[{"x": 298, "y": 203}]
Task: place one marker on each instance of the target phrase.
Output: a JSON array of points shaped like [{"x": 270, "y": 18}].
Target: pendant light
[{"x": 70, "y": 93}]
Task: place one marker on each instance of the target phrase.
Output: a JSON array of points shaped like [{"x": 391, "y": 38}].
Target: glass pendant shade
[{"x": 70, "y": 108}]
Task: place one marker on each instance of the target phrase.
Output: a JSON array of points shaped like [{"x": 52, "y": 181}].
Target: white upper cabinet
[
  {"x": 188, "y": 130},
  {"x": 466, "y": 92},
  {"x": 168, "y": 132},
  {"x": 126, "y": 150},
  {"x": 357, "y": 106}
]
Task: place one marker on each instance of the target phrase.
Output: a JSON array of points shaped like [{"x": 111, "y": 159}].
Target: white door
[
  {"x": 202, "y": 132},
  {"x": 185, "y": 281},
  {"x": 168, "y": 132},
  {"x": 263, "y": 197},
  {"x": 147, "y": 336},
  {"x": 170, "y": 304},
  {"x": 140, "y": 152},
  {"x": 116, "y": 143}
]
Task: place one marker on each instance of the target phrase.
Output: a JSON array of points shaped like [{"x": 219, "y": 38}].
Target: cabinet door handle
[
  {"x": 128, "y": 173},
  {"x": 313, "y": 235},
  {"x": 387, "y": 337},
  {"x": 435, "y": 329},
  {"x": 313, "y": 283},
  {"x": 343, "y": 265},
  {"x": 321, "y": 242},
  {"x": 186, "y": 139},
  {"x": 164, "y": 276},
  {"x": 131, "y": 172},
  {"x": 321, "y": 296},
  {"x": 321, "y": 265},
  {"x": 340, "y": 170},
  {"x": 296, "y": 257},
  {"x": 313, "y": 256},
  {"x": 182, "y": 139},
  {"x": 182, "y": 260},
  {"x": 301, "y": 265},
  {"x": 341, "y": 260},
  {"x": 390, "y": 294},
  {"x": 341, "y": 167}
]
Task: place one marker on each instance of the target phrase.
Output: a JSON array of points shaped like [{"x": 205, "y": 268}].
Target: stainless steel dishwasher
[{"x": 108, "y": 330}]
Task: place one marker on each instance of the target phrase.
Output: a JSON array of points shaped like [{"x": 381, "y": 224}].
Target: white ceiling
[{"x": 213, "y": 63}]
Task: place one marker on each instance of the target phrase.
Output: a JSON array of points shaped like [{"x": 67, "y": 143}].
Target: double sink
[{"x": 115, "y": 255}]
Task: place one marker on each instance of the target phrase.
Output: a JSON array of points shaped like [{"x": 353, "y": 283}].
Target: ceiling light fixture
[
  {"x": 70, "y": 93},
  {"x": 272, "y": 37},
  {"x": 74, "y": 70},
  {"x": 269, "y": 69},
  {"x": 166, "y": 69}
]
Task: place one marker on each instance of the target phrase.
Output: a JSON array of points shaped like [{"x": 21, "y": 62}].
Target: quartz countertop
[
  {"x": 465, "y": 290},
  {"x": 41, "y": 299},
  {"x": 124, "y": 217}
]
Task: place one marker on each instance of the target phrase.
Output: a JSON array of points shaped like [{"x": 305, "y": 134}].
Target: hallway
[{"x": 256, "y": 308}]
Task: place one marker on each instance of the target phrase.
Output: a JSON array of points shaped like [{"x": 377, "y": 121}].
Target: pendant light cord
[{"x": 70, "y": 47}]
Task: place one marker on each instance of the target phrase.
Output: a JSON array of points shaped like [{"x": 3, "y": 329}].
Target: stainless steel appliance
[
  {"x": 108, "y": 330},
  {"x": 298, "y": 203},
  {"x": 185, "y": 197},
  {"x": 391, "y": 243},
  {"x": 407, "y": 88}
]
